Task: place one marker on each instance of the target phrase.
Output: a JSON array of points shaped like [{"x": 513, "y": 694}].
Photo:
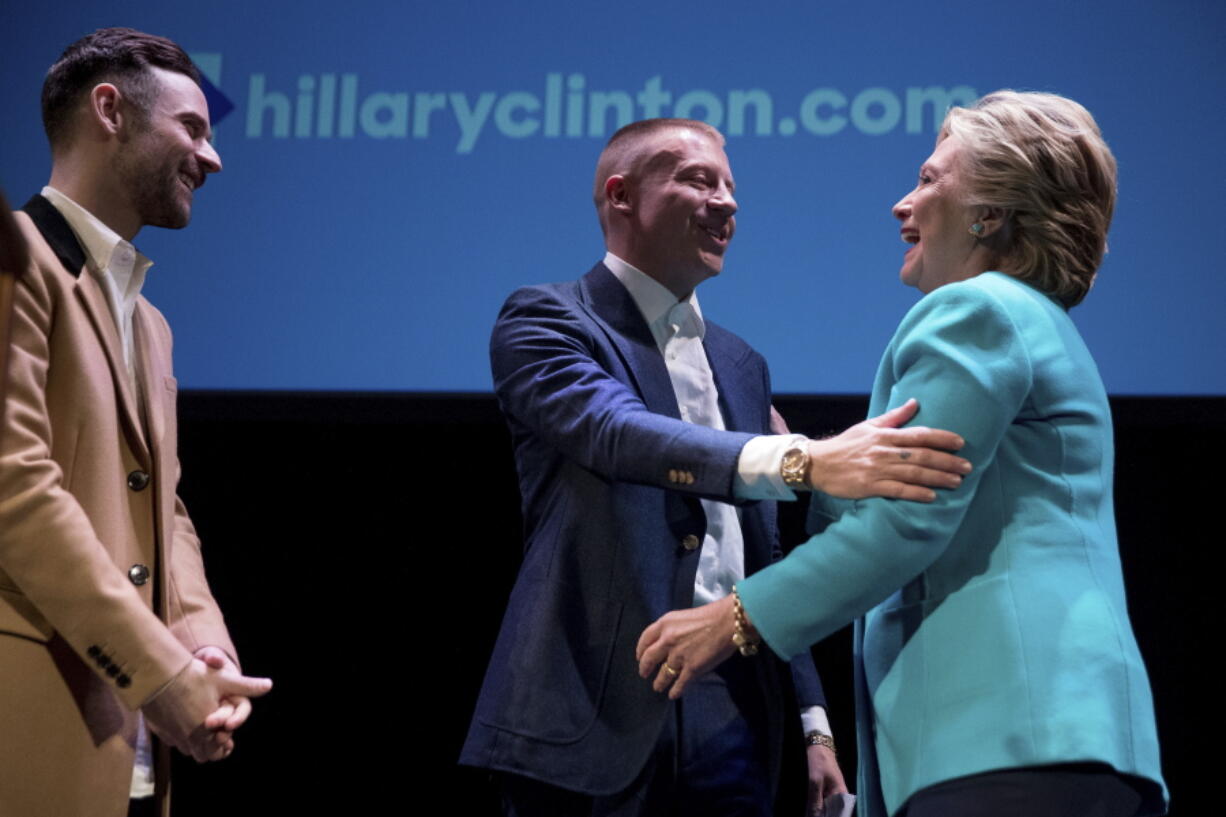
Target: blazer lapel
[
  {"x": 740, "y": 401},
  {"x": 63, "y": 241},
  {"x": 150, "y": 378},
  {"x": 609, "y": 301},
  {"x": 56, "y": 232}
]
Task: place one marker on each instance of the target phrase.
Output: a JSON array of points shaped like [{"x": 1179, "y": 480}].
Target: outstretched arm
[
  {"x": 556, "y": 373},
  {"x": 548, "y": 376},
  {"x": 962, "y": 354},
  {"x": 879, "y": 458}
]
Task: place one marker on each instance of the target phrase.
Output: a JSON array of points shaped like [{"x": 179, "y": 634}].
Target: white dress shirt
[{"x": 678, "y": 329}]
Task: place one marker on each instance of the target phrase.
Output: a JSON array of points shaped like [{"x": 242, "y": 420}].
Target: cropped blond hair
[
  {"x": 631, "y": 148},
  {"x": 1042, "y": 160}
]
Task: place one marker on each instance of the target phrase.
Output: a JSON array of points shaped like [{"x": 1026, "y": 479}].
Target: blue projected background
[{"x": 394, "y": 170}]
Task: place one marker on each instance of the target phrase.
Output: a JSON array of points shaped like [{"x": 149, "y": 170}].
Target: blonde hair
[{"x": 1042, "y": 160}]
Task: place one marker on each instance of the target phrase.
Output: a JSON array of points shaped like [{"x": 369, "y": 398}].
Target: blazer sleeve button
[
  {"x": 138, "y": 574},
  {"x": 138, "y": 479},
  {"x": 123, "y": 681},
  {"x": 690, "y": 542}
]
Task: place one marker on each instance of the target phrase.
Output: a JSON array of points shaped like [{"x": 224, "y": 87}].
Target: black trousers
[
  {"x": 1067, "y": 790},
  {"x": 142, "y": 807},
  {"x": 711, "y": 760}
]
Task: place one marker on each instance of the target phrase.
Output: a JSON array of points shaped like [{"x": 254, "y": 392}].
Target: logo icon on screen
[{"x": 220, "y": 105}]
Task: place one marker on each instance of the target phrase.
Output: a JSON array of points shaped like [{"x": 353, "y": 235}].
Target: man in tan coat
[{"x": 107, "y": 625}]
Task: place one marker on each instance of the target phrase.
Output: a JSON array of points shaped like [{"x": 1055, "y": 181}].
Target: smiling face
[
  {"x": 937, "y": 221},
  {"x": 165, "y": 154},
  {"x": 682, "y": 210}
]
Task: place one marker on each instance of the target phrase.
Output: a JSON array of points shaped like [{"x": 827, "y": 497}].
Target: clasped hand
[{"x": 201, "y": 708}]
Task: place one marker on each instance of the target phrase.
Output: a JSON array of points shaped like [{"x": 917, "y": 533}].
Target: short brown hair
[
  {"x": 623, "y": 154},
  {"x": 1042, "y": 160},
  {"x": 119, "y": 55}
]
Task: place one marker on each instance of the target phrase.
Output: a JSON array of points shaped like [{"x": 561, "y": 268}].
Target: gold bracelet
[
  {"x": 743, "y": 635},
  {"x": 816, "y": 738}
]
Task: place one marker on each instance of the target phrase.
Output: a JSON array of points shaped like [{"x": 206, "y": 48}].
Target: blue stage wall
[{"x": 394, "y": 170}]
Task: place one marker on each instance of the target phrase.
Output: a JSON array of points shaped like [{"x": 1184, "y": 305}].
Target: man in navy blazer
[{"x": 643, "y": 446}]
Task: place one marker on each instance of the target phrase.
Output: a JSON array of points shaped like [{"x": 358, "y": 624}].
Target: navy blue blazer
[{"x": 599, "y": 446}]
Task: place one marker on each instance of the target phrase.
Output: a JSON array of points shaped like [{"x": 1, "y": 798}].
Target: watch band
[{"x": 816, "y": 738}]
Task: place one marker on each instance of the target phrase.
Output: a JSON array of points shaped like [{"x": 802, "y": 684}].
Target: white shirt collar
[
  {"x": 117, "y": 265},
  {"x": 103, "y": 246},
  {"x": 659, "y": 306}
]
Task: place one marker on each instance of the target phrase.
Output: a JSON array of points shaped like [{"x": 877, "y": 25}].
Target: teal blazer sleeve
[
  {"x": 995, "y": 631},
  {"x": 960, "y": 354}
]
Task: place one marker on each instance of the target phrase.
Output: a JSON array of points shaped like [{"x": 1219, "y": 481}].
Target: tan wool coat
[{"x": 103, "y": 596}]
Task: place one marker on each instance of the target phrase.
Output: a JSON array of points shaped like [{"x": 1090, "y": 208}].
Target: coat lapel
[
  {"x": 56, "y": 232},
  {"x": 609, "y": 301},
  {"x": 740, "y": 400},
  {"x": 63, "y": 241},
  {"x": 150, "y": 379}
]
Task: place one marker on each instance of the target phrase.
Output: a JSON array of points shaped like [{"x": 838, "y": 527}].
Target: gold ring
[{"x": 674, "y": 673}]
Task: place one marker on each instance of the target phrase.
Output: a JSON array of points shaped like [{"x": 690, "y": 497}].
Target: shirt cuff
[
  {"x": 758, "y": 467},
  {"x": 814, "y": 719}
]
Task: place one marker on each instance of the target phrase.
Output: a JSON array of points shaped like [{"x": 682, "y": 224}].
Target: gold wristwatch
[{"x": 795, "y": 467}]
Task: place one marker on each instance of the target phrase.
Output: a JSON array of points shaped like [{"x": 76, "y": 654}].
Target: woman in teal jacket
[{"x": 997, "y": 671}]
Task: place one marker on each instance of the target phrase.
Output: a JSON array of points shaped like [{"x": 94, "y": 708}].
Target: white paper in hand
[{"x": 839, "y": 805}]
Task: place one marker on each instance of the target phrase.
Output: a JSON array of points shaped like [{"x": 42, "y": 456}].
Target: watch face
[{"x": 795, "y": 464}]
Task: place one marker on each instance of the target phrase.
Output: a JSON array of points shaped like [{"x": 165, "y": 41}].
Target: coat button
[
  {"x": 123, "y": 681},
  {"x": 112, "y": 670},
  {"x": 137, "y": 480},
  {"x": 138, "y": 574},
  {"x": 690, "y": 542}
]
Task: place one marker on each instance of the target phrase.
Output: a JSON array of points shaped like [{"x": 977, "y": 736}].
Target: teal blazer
[{"x": 995, "y": 632}]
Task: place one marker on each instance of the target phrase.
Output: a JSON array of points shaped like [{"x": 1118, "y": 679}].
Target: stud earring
[{"x": 976, "y": 229}]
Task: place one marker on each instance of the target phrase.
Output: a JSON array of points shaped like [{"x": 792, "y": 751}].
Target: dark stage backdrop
[{"x": 363, "y": 546}]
